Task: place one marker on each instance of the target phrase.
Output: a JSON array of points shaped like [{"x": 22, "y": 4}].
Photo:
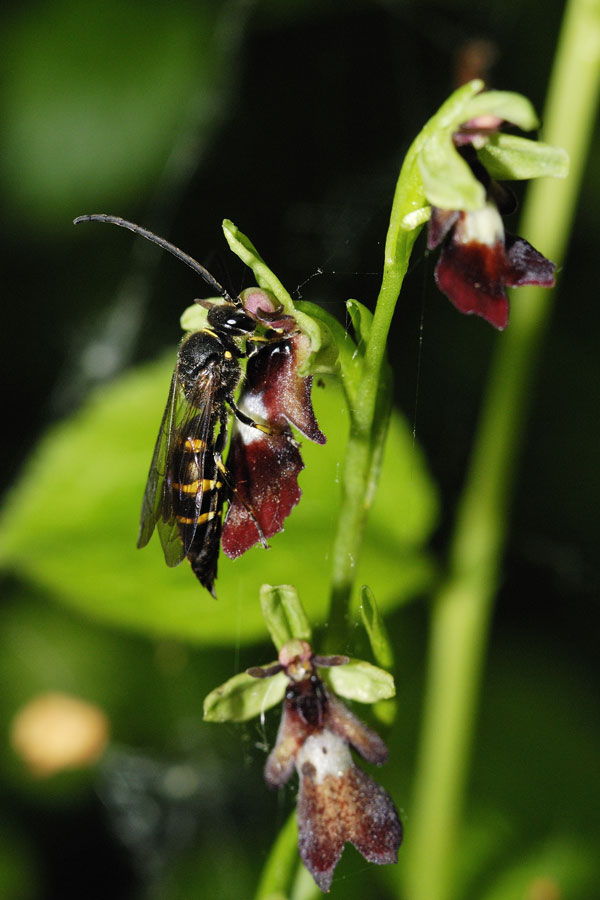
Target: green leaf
[
  {"x": 103, "y": 133},
  {"x": 284, "y": 614},
  {"x": 509, "y": 157},
  {"x": 83, "y": 486},
  {"x": 243, "y": 697},
  {"x": 361, "y": 681},
  {"x": 376, "y": 630}
]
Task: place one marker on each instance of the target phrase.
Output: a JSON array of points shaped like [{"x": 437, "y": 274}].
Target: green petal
[
  {"x": 361, "y": 681},
  {"x": 243, "y": 697},
  {"x": 507, "y": 156},
  {"x": 284, "y": 614}
]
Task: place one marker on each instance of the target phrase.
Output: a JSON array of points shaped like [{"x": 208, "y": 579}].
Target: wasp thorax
[{"x": 196, "y": 353}]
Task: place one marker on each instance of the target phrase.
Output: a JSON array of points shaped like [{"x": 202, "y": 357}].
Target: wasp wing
[
  {"x": 153, "y": 504},
  {"x": 185, "y": 438}
]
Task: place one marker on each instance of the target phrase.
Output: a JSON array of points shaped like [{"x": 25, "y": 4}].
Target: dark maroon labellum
[
  {"x": 478, "y": 261},
  {"x": 265, "y": 465}
]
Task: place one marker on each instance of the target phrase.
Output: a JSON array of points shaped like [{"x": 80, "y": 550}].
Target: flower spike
[{"x": 337, "y": 801}]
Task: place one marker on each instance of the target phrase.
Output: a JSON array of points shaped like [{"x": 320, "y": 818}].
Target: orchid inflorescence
[{"x": 450, "y": 179}]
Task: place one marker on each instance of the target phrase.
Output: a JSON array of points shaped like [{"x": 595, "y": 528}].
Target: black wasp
[{"x": 188, "y": 482}]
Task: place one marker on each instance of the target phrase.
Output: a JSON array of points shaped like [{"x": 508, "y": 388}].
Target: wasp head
[{"x": 231, "y": 319}]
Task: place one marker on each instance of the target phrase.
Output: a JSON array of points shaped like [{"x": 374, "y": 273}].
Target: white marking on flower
[
  {"x": 484, "y": 226},
  {"x": 254, "y": 407},
  {"x": 327, "y": 752}
]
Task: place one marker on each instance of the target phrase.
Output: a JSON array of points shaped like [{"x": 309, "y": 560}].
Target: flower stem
[
  {"x": 462, "y": 608},
  {"x": 369, "y": 415},
  {"x": 282, "y": 863},
  {"x": 368, "y": 429}
]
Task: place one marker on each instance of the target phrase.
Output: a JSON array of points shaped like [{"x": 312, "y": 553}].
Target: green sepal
[
  {"x": 506, "y": 105},
  {"x": 362, "y": 319},
  {"x": 448, "y": 181},
  {"x": 333, "y": 340},
  {"x": 265, "y": 278},
  {"x": 193, "y": 318},
  {"x": 284, "y": 614},
  {"x": 244, "y": 697},
  {"x": 375, "y": 628},
  {"x": 361, "y": 681},
  {"x": 509, "y": 157}
]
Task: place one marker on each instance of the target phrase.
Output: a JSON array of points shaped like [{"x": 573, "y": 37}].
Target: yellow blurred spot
[
  {"x": 54, "y": 732},
  {"x": 543, "y": 889}
]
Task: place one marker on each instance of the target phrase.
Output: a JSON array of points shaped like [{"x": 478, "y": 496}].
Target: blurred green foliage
[
  {"x": 75, "y": 74},
  {"x": 83, "y": 489},
  {"x": 290, "y": 119}
]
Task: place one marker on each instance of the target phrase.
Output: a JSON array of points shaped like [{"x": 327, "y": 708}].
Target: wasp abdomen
[{"x": 195, "y": 482}]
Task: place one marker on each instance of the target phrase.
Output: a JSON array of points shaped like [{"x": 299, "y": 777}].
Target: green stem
[
  {"x": 368, "y": 429},
  {"x": 462, "y": 609},
  {"x": 282, "y": 863},
  {"x": 370, "y": 412}
]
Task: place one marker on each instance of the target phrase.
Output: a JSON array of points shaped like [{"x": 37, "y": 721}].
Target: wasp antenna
[{"x": 166, "y": 245}]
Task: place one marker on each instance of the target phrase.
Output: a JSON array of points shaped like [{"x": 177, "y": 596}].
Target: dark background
[{"x": 291, "y": 119}]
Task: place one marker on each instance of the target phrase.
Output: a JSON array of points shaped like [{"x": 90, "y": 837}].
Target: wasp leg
[
  {"x": 229, "y": 481},
  {"x": 266, "y": 429},
  {"x": 230, "y": 484}
]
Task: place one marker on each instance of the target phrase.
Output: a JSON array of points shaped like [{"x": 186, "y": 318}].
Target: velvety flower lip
[
  {"x": 337, "y": 801},
  {"x": 478, "y": 261},
  {"x": 265, "y": 465}
]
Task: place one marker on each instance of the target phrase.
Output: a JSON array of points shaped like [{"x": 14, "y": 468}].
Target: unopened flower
[{"x": 337, "y": 801}]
